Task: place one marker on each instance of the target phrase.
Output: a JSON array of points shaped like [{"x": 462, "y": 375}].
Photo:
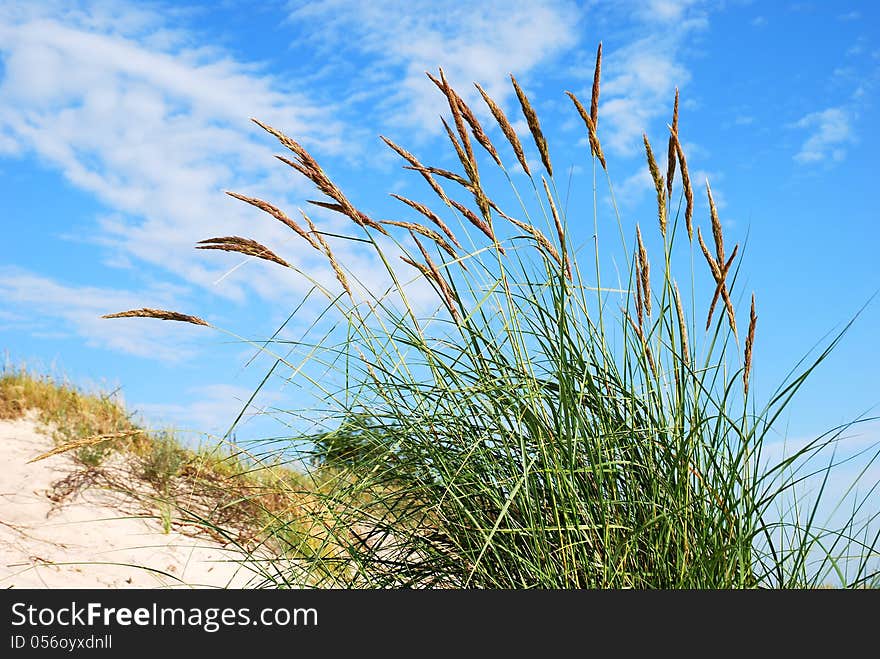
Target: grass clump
[{"x": 542, "y": 429}]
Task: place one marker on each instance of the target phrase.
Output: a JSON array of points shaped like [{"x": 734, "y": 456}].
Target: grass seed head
[{"x": 534, "y": 125}]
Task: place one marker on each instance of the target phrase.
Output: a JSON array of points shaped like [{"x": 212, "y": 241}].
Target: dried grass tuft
[
  {"x": 534, "y": 126},
  {"x": 506, "y": 128},
  {"x": 644, "y": 271},
  {"x": 468, "y": 115},
  {"x": 276, "y": 213},
  {"x": 750, "y": 341},
  {"x": 670, "y": 151},
  {"x": 686, "y": 184},
  {"x": 243, "y": 246},
  {"x": 658, "y": 184},
  {"x": 595, "y": 146},
  {"x": 716, "y": 226},
  {"x": 560, "y": 232},
  {"x": 309, "y": 167},
  {"x": 719, "y": 276},
  {"x": 594, "y": 99},
  {"x": 428, "y": 213},
  {"x": 161, "y": 314}
]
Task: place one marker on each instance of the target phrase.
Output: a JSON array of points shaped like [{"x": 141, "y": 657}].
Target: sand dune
[{"x": 62, "y": 528}]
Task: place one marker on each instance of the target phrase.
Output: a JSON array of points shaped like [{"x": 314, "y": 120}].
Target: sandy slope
[{"x": 56, "y": 536}]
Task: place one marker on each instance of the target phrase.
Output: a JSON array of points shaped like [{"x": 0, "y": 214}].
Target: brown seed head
[
  {"x": 595, "y": 147},
  {"x": 644, "y": 271},
  {"x": 276, "y": 213},
  {"x": 470, "y": 118},
  {"x": 161, "y": 314},
  {"x": 534, "y": 125},
  {"x": 670, "y": 151},
  {"x": 506, "y": 128},
  {"x": 427, "y": 212},
  {"x": 244, "y": 246},
  {"x": 686, "y": 184},
  {"x": 658, "y": 184},
  {"x": 750, "y": 341},
  {"x": 718, "y": 287},
  {"x": 716, "y": 226},
  {"x": 452, "y": 99},
  {"x": 594, "y": 100},
  {"x": 560, "y": 232},
  {"x": 719, "y": 276}
]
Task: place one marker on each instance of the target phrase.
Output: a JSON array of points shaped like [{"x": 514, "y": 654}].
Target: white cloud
[
  {"x": 480, "y": 42},
  {"x": 829, "y": 132},
  {"x": 155, "y": 131},
  {"x": 759, "y": 21},
  {"x": 44, "y": 307},
  {"x": 211, "y": 408}
]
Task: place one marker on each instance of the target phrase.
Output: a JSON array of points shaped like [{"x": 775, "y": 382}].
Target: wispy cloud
[
  {"x": 210, "y": 408},
  {"x": 129, "y": 111},
  {"x": 480, "y": 42},
  {"x": 829, "y": 131},
  {"x": 640, "y": 76},
  {"x": 42, "y": 306}
]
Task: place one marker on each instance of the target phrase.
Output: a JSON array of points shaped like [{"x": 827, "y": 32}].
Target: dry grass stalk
[
  {"x": 716, "y": 226},
  {"x": 719, "y": 276},
  {"x": 482, "y": 225},
  {"x": 427, "y": 212},
  {"x": 750, "y": 341},
  {"x": 161, "y": 314},
  {"x": 82, "y": 442},
  {"x": 325, "y": 248},
  {"x": 682, "y": 327},
  {"x": 670, "y": 150},
  {"x": 717, "y": 294},
  {"x": 658, "y": 184},
  {"x": 534, "y": 126},
  {"x": 595, "y": 147},
  {"x": 412, "y": 160},
  {"x": 364, "y": 220},
  {"x": 644, "y": 271},
  {"x": 310, "y": 168},
  {"x": 506, "y": 128},
  {"x": 277, "y": 213},
  {"x": 470, "y": 118},
  {"x": 594, "y": 100},
  {"x": 686, "y": 184},
  {"x": 560, "y": 232},
  {"x": 466, "y": 162},
  {"x": 445, "y": 173},
  {"x": 445, "y": 290},
  {"x": 457, "y": 114},
  {"x": 244, "y": 246},
  {"x": 426, "y": 232}
]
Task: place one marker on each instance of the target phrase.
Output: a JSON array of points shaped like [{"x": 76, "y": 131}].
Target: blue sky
[{"x": 121, "y": 123}]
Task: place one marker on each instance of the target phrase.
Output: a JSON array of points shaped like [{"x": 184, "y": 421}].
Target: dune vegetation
[{"x": 546, "y": 425}]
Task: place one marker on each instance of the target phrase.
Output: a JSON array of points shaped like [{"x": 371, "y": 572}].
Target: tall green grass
[{"x": 541, "y": 427}]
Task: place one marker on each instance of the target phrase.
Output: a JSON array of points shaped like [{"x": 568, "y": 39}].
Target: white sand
[{"x": 93, "y": 538}]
